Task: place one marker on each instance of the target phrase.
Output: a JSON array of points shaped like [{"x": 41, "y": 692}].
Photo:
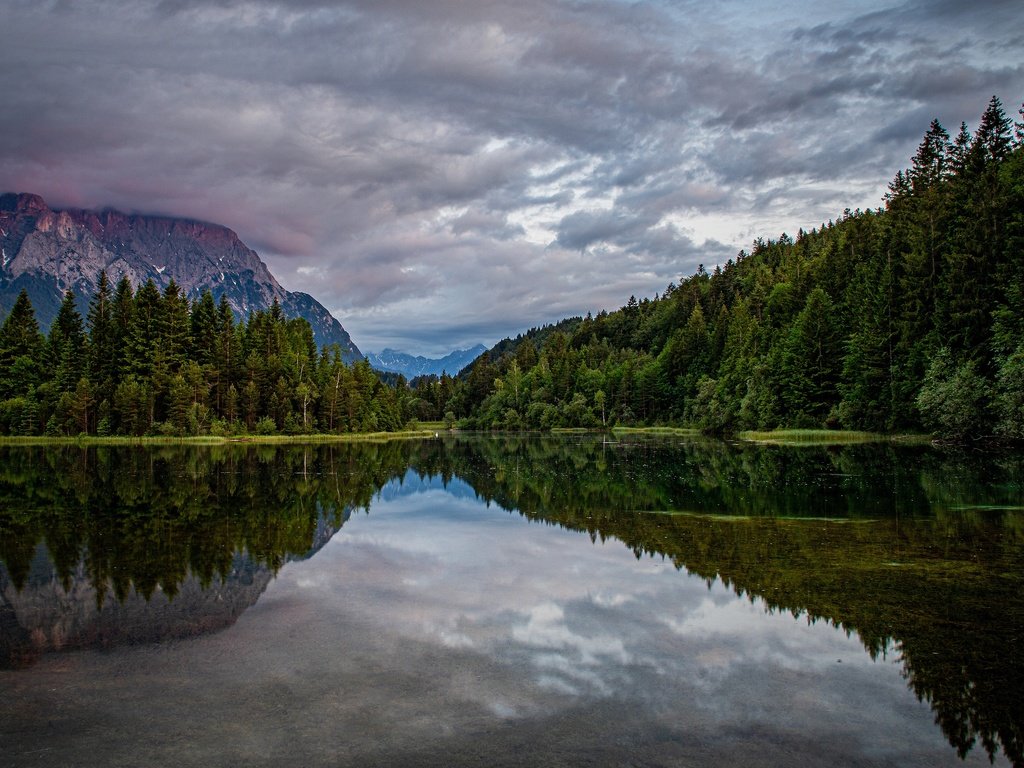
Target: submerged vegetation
[{"x": 908, "y": 318}]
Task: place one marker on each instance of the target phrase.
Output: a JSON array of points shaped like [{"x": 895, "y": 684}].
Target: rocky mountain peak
[
  {"x": 23, "y": 203},
  {"x": 48, "y": 251}
]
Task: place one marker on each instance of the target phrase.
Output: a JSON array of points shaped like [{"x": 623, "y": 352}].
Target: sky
[{"x": 441, "y": 173}]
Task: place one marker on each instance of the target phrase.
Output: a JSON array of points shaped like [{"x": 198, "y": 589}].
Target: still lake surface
[{"x": 524, "y": 601}]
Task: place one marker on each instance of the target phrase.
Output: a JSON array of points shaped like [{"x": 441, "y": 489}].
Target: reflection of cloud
[
  {"x": 546, "y": 628},
  {"x": 785, "y": 641},
  {"x": 573, "y": 656},
  {"x": 437, "y": 631},
  {"x": 611, "y": 600},
  {"x": 573, "y": 617}
]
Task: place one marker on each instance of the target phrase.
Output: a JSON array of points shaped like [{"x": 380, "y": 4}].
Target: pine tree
[
  {"x": 21, "y": 347},
  {"x": 66, "y": 344},
  {"x": 102, "y": 356},
  {"x": 174, "y": 326},
  {"x": 931, "y": 162},
  {"x": 123, "y": 317},
  {"x": 203, "y": 328},
  {"x": 145, "y": 332},
  {"x": 810, "y": 361}
]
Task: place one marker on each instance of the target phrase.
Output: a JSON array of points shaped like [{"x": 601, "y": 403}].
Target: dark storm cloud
[{"x": 457, "y": 167}]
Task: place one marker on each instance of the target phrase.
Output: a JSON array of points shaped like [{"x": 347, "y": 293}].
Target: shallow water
[{"x": 511, "y": 602}]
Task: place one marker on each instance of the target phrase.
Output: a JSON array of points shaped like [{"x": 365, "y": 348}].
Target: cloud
[{"x": 483, "y": 167}]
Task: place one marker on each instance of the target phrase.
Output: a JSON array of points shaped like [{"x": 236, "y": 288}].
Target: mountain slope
[
  {"x": 47, "y": 251},
  {"x": 412, "y": 366}
]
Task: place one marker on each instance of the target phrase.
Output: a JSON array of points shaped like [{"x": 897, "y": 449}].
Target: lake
[{"x": 511, "y": 601}]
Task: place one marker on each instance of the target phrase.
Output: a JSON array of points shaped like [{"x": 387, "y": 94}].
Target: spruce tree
[
  {"x": 21, "y": 347},
  {"x": 102, "y": 340},
  {"x": 66, "y": 346}
]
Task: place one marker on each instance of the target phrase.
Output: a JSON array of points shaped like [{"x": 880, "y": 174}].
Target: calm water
[{"x": 535, "y": 601}]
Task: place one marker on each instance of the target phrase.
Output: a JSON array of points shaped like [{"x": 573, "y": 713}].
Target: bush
[
  {"x": 265, "y": 426},
  {"x": 1009, "y": 400},
  {"x": 219, "y": 427},
  {"x": 954, "y": 398}
]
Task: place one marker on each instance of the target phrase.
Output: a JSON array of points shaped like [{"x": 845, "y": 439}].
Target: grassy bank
[
  {"x": 824, "y": 437},
  {"x": 667, "y": 431},
  {"x": 217, "y": 440}
]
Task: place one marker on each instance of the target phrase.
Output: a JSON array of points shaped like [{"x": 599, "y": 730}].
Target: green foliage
[
  {"x": 21, "y": 347},
  {"x": 265, "y": 426},
  {"x": 152, "y": 363},
  {"x": 954, "y": 398},
  {"x": 1009, "y": 396}
]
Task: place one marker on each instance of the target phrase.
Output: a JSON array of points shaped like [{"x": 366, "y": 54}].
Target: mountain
[
  {"x": 47, "y": 251},
  {"x": 412, "y": 366}
]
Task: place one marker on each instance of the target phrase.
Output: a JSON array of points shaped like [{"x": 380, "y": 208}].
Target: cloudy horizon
[{"x": 440, "y": 174}]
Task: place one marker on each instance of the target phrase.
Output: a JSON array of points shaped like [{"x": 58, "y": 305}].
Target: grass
[
  {"x": 218, "y": 440},
  {"x": 426, "y": 429},
  {"x": 670, "y": 431},
  {"x": 817, "y": 437}
]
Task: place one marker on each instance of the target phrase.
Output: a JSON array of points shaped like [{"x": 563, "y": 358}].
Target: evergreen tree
[
  {"x": 145, "y": 332},
  {"x": 123, "y": 316},
  {"x": 203, "y": 328},
  {"x": 102, "y": 340},
  {"x": 174, "y": 327},
  {"x": 810, "y": 362},
  {"x": 21, "y": 347}
]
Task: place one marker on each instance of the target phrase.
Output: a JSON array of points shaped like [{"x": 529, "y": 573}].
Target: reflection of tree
[
  {"x": 142, "y": 518},
  {"x": 133, "y": 523},
  {"x": 920, "y": 554}
]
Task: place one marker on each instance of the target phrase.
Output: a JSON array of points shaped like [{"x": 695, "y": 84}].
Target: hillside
[{"x": 907, "y": 317}]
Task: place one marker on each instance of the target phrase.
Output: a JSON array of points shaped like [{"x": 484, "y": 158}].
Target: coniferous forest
[{"x": 909, "y": 317}]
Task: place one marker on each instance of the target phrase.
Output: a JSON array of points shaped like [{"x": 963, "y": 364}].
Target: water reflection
[{"x": 915, "y": 552}]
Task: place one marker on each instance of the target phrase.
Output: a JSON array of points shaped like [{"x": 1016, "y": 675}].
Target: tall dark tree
[
  {"x": 145, "y": 332},
  {"x": 66, "y": 345},
  {"x": 123, "y": 319},
  {"x": 21, "y": 347},
  {"x": 102, "y": 341},
  {"x": 203, "y": 328},
  {"x": 174, "y": 327}
]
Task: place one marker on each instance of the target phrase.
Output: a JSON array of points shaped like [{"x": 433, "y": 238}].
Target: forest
[
  {"x": 904, "y": 318},
  {"x": 909, "y": 317}
]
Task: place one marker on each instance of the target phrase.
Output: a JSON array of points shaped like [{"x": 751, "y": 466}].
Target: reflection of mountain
[
  {"x": 46, "y": 616},
  {"x": 413, "y": 483},
  {"x": 913, "y": 550},
  {"x": 101, "y": 547}
]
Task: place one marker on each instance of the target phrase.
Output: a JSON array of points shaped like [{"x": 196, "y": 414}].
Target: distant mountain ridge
[
  {"x": 47, "y": 251},
  {"x": 412, "y": 366}
]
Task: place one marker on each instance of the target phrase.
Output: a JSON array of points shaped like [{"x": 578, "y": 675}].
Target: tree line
[
  {"x": 905, "y": 317},
  {"x": 148, "y": 362}
]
